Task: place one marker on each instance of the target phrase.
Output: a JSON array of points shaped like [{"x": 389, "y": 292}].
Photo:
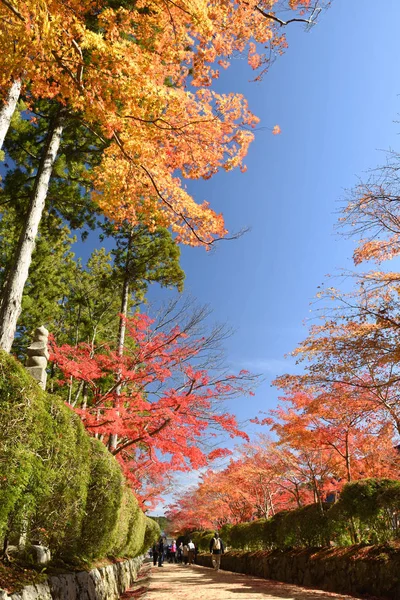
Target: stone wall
[
  {"x": 106, "y": 583},
  {"x": 356, "y": 570}
]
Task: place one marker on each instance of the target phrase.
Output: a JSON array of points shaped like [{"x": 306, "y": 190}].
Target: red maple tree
[{"x": 155, "y": 400}]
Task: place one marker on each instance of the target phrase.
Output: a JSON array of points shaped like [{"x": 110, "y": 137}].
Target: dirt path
[{"x": 200, "y": 583}]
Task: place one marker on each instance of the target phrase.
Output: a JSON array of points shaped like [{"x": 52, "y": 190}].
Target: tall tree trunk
[
  {"x": 124, "y": 313},
  {"x": 18, "y": 274},
  {"x": 113, "y": 441},
  {"x": 8, "y": 108},
  {"x": 348, "y": 462}
]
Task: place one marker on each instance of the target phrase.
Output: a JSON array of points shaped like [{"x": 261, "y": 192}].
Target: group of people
[
  {"x": 185, "y": 553},
  {"x": 173, "y": 553}
]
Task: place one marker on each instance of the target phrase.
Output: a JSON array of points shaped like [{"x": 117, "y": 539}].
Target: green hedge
[
  {"x": 202, "y": 539},
  {"x": 367, "y": 511},
  {"x": 103, "y": 501},
  {"x": 58, "y": 486},
  {"x": 151, "y": 535},
  {"x": 370, "y": 509}
]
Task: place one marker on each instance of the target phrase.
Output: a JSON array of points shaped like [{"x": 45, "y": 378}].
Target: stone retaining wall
[
  {"x": 106, "y": 583},
  {"x": 356, "y": 570}
]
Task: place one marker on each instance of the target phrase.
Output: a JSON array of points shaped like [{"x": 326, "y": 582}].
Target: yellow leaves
[
  {"x": 377, "y": 250},
  {"x": 276, "y": 130},
  {"x": 130, "y": 76}
]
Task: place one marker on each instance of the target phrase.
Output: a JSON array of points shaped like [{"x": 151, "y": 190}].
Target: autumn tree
[
  {"x": 260, "y": 475},
  {"x": 162, "y": 396},
  {"x": 350, "y": 357},
  {"x": 341, "y": 420},
  {"x": 355, "y": 345},
  {"x": 265, "y": 477},
  {"x": 372, "y": 214},
  {"x": 89, "y": 66}
]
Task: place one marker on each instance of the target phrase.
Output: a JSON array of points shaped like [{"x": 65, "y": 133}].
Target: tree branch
[{"x": 13, "y": 10}]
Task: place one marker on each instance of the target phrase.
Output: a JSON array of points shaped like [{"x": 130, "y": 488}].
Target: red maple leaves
[{"x": 156, "y": 399}]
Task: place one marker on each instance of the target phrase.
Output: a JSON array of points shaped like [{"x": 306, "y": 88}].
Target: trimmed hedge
[
  {"x": 202, "y": 539},
  {"x": 58, "y": 486},
  {"x": 368, "y": 511},
  {"x": 151, "y": 534},
  {"x": 104, "y": 497},
  {"x": 370, "y": 507}
]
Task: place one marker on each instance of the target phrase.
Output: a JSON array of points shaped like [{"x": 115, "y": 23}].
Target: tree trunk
[
  {"x": 113, "y": 441},
  {"x": 14, "y": 285},
  {"x": 348, "y": 464},
  {"x": 8, "y": 108},
  {"x": 124, "y": 313}
]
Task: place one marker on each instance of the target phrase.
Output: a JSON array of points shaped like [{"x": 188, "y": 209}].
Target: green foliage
[
  {"x": 305, "y": 527},
  {"x": 369, "y": 509},
  {"x": 61, "y": 479},
  {"x": 57, "y": 485},
  {"x": 103, "y": 502},
  {"x": 273, "y": 529},
  {"x": 131, "y": 527},
  {"x": 162, "y": 522},
  {"x": 68, "y": 206},
  {"x": 202, "y": 539},
  {"x": 52, "y": 263},
  {"x": 69, "y": 194},
  {"x": 224, "y": 532},
  {"x": 21, "y": 408},
  {"x": 142, "y": 257},
  {"x": 242, "y": 535},
  {"x": 151, "y": 535}
]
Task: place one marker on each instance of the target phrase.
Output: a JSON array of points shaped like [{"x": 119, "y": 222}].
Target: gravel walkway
[{"x": 200, "y": 583}]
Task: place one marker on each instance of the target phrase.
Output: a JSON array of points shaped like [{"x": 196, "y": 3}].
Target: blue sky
[{"x": 335, "y": 96}]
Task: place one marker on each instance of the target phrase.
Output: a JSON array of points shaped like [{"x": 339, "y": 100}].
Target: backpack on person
[{"x": 217, "y": 544}]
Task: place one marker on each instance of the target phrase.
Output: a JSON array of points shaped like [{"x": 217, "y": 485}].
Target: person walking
[
  {"x": 216, "y": 549},
  {"x": 160, "y": 552},
  {"x": 155, "y": 554},
  {"x": 185, "y": 554},
  {"x": 191, "y": 549},
  {"x": 179, "y": 552},
  {"x": 173, "y": 551}
]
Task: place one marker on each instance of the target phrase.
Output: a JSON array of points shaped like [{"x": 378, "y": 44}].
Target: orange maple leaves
[{"x": 133, "y": 73}]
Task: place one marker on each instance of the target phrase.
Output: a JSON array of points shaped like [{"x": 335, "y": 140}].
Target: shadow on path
[{"x": 200, "y": 583}]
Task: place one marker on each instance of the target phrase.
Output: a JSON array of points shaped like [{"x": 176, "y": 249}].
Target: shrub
[
  {"x": 103, "y": 502},
  {"x": 367, "y": 511},
  {"x": 225, "y": 533},
  {"x": 202, "y": 539},
  {"x": 131, "y": 526},
  {"x": 307, "y": 526},
  {"x": 369, "y": 507},
  {"x": 58, "y": 486},
  {"x": 21, "y": 411},
  {"x": 60, "y": 482},
  {"x": 274, "y": 530},
  {"x": 239, "y": 537},
  {"x": 151, "y": 535}
]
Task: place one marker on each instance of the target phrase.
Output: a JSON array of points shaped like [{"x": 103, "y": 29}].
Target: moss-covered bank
[{"x": 58, "y": 486}]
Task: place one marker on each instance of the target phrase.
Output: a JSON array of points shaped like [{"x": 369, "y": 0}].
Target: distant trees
[{"x": 338, "y": 421}]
